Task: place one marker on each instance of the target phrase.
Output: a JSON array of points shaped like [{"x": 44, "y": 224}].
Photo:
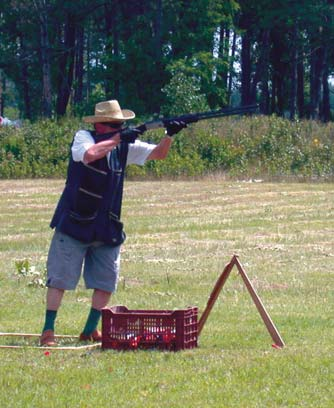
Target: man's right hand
[{"x": 130, "y": 135}]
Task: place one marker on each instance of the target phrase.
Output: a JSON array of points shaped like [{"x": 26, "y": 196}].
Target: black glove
[
  {"x": 130, "y": 135},
  {"x": 174, "y": 126}
]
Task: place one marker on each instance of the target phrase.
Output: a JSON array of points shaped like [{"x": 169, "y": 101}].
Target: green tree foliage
[
  {"x": 285, "y": 56},
  {"x": 183, "y": 96},
  {"x": 60, "y": 54}
]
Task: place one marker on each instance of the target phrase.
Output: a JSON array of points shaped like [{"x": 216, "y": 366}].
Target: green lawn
[{"x": 180, "y": 236}]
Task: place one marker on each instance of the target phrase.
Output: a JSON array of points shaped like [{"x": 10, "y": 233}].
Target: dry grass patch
[{"x": 180, "y": 236}]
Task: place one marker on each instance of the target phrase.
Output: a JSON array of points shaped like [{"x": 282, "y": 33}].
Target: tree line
[{"x": 59, "y": 56}]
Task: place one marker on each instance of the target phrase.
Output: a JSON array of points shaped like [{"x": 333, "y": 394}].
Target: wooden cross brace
[{"x": 256, "y": 299}]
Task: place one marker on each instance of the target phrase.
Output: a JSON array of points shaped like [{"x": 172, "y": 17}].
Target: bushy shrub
[
  {"x": 282, "y": 147},
  {"x": 36, "y": 150},
  {"x": 239, "y": 146}
]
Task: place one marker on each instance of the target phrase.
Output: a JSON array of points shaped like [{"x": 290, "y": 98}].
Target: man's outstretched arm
[{"x": 160, "y": 152}]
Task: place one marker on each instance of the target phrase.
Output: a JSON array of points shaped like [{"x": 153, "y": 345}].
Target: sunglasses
[{"x": 114, "y": 125}]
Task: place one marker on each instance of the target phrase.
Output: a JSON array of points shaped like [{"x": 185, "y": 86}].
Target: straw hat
[{"x": 109, "y": 111}]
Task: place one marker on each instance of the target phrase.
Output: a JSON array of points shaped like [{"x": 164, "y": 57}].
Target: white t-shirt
[{"x": 138, "y": 151}]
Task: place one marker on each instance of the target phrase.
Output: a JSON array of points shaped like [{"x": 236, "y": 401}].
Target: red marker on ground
[{"x": 276, "y": 346}]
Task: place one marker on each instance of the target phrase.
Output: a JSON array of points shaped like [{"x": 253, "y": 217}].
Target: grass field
[{"x": 180, "y": 236}]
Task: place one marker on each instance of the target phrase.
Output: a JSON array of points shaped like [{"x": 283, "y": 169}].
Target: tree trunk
[
  {"x": 280, "y": 95},
  {"x": 293, "y": 74},
  {"x": 224, "y": 53},
  {"x": 279, "y": 48},
  {"x": 246, "y": 67},
  {"x": 79, "y": 65},
  {"x": 158, "y": 31},
  {"x": 2, "y": 91},
  {"x": 317, "y": 62},
  {"x": 265, "y": 96},
  {"x": 261, "y": 73},
  {"x": 88, "y": 58},
  {"x": 159, "y": 68},
  {"x": 45, "y": 58},
  {"x": 115, "y": 34},
  {"x": 66, "y": 66},
  {"x": 108, "y": 21},
  {"x": 231, "y": 69},
  {"x": 300, "y": 87},
  {"x": 112, "y": 83},
  {"x": 326, "y": 110},
  {"x": 273, "y": 106},
  {"x": 24, "y": 79}
]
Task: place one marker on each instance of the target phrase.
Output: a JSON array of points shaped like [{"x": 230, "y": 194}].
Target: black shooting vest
[{"x": 89, "y": 208}]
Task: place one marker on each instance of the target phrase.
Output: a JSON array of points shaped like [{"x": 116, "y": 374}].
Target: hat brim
[{"x": 126, "y": 114}]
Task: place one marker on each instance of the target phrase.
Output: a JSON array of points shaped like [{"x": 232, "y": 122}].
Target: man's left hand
[{"x": 174, "y": 126}]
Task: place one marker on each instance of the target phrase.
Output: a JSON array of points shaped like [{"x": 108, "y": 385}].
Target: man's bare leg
[
  {"x": 100, "y": 299},
  {"x": 54, "y": 297}
]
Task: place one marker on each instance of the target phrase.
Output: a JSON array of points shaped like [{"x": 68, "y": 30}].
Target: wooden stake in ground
[
  {"x": 214, "y": 294},
  {"x": 256, "y": 299},
  {"x": 56, "y": 348}
]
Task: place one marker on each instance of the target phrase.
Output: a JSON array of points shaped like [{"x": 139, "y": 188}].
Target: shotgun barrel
[{"x": 195, "y": 117}]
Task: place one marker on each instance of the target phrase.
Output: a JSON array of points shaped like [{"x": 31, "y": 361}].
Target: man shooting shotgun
[
  {"x": 88, "y": 229},
  {"x": 87, "y": 221},
  {"x": 183, "y": 121}
]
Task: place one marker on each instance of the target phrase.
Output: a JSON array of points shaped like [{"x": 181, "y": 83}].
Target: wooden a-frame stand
[{"x": 258, "y": 303}]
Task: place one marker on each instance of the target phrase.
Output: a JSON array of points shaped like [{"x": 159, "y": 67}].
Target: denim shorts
[{"x": 68, "y": 257}]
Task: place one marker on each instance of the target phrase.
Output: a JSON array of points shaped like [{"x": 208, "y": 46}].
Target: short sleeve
[
  {"x": 83, "y": 140},
  {"x": 139, "y": 152}
]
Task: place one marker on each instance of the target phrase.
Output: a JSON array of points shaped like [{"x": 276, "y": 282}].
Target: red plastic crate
[{"x": 124, "y": 329}]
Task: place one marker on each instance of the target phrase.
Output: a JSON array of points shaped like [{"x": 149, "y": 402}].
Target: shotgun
[{"x": 131, "y": 133}]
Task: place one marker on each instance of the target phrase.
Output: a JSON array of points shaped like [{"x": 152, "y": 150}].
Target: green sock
[
  {"x": 50, "y": 317},
  {"x": 92, "y": 321}
]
